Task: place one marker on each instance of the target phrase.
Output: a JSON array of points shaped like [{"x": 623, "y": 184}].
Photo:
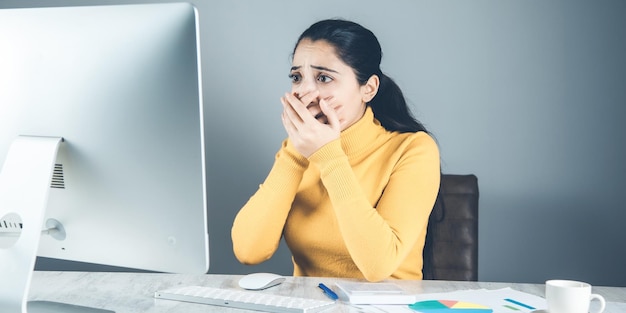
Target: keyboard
[{"x": 240, "y": 299}]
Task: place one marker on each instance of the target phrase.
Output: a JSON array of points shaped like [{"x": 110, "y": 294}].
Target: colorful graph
[{"x": 449, "y": 306}]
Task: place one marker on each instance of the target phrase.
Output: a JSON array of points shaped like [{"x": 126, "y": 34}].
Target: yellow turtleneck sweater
[{"x": 358, "y": 207}]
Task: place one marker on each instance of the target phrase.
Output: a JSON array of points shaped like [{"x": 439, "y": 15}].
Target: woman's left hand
[{"x": 309, "y": 132}]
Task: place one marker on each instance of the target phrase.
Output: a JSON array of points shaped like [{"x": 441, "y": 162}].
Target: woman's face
[{"x": 316, "y": 66}]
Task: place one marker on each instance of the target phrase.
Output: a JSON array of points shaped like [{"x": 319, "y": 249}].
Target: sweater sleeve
[
  {"x": 380, "y": 237},
  {"x": 258, "y": 227}
]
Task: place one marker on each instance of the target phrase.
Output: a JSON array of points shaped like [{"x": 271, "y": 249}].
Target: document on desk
[
  {"x": 504, "y": 300},
  {"x": 373, "y": 293}
]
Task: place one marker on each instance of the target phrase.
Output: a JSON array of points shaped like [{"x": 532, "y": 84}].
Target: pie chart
[{"x": 448, "y": 306}]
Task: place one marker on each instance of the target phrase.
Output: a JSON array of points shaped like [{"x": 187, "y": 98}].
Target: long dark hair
[{"x": 359, "y": 48}]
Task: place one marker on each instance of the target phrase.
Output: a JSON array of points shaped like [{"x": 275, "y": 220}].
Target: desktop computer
[{"x": 101, "y": 142}]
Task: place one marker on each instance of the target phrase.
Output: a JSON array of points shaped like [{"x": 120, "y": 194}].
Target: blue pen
[{"x": 331, "y": 294}]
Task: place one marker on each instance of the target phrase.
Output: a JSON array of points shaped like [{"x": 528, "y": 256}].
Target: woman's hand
[{"x": 309, "y": 121}]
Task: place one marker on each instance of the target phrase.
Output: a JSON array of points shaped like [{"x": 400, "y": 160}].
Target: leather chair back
[{"x": 451, "y": 249}]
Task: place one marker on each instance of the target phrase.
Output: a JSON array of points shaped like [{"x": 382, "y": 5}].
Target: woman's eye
[
  {"x": 324, "y": 79},
  {"x": 294, "y": 78}
]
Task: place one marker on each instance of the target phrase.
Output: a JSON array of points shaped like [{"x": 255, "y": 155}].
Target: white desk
[{"x": 133, "y": 292}]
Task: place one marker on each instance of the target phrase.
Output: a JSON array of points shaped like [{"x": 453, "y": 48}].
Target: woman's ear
[{"x": 369, "y": 90}]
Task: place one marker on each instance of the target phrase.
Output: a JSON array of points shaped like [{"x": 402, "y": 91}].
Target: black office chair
[{"x": 451, "y": 249}]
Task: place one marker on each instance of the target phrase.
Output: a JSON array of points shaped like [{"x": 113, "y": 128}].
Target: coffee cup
[{"x": 569, "y": 296}]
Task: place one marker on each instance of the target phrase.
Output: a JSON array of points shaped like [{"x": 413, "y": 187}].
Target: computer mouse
[{"x": 258, "y": 281}]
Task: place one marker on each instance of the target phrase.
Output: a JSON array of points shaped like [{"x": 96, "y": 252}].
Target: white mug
[{"x": 568, "y": 296}]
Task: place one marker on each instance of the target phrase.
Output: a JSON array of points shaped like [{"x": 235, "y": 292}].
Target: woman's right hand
[{"x": 309, "y": 121}]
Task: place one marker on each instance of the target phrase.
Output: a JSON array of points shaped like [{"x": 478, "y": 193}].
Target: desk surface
[{"x": 133, "y": 292}]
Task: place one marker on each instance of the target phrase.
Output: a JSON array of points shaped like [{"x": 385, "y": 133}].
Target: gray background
[{"x": 528, "y": 95}]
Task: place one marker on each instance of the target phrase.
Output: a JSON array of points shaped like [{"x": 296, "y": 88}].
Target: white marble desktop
[{"x": 133, "y": 292}]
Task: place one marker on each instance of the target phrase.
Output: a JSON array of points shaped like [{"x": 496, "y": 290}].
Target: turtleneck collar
[{"x": 361, "y": 134}]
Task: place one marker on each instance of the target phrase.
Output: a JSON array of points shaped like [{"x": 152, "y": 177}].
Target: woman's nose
[{"x": 304, "y": 87}]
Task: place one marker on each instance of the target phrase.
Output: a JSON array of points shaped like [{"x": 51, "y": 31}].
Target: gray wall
[{"x": 528, "y": 95}]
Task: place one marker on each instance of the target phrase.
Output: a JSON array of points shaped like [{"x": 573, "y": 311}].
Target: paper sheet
[{"x": 504, "y": 300}]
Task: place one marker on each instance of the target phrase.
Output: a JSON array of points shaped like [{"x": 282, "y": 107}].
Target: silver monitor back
[{"x": 122, "y": 86}]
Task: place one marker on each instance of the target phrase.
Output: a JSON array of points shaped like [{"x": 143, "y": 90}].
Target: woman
[{"x": 353, "y": 185}]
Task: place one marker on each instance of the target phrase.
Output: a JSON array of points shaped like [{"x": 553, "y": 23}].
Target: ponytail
[{"x": 390, "y": 108}]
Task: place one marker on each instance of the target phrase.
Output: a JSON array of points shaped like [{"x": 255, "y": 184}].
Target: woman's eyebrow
[
  {"x": 319, "y": 68},
  {"x": 322, "y": 68}
]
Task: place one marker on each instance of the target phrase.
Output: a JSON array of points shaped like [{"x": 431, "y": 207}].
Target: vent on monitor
[
  {"x": 10, "y": 225},
  {"x": 57, "y": 177}
]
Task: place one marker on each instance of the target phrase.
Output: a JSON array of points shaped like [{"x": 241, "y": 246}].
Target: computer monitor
[{"x": 104, "y": 104}]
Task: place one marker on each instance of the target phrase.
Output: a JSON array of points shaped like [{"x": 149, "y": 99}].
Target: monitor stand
[{"x": 24, "y": 184}]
